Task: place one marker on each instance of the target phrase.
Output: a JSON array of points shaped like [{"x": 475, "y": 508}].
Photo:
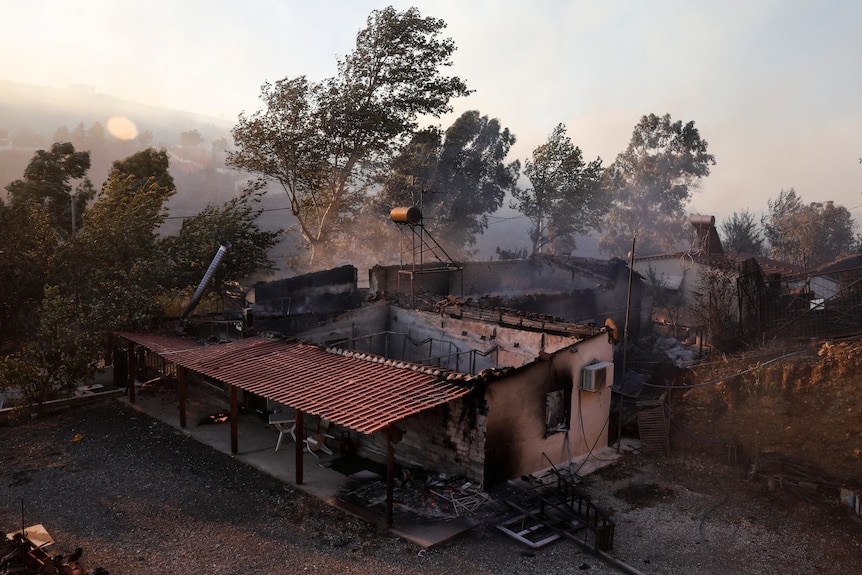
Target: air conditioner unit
[{"x": 595, "y": 376}]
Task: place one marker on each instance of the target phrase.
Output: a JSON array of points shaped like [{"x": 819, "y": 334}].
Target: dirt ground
[
  {"x": 800, "y": 404},
  {"x": 749, "y": 487}
]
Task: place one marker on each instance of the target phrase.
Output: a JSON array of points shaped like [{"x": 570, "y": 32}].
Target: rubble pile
[
  {"x": 435, "y": 495},
  {"x": 19, "y": 555}
]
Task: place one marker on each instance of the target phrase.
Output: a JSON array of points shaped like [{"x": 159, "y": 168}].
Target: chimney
[{"x": 708, "y": 241}]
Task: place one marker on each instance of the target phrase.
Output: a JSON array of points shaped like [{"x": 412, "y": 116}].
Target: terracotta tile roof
[{"x": 362, "y": 392}]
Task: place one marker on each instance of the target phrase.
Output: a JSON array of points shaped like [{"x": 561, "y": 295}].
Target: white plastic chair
[
  {"x": 316, "y": 441},
  {"x": 285, "y": 424}
]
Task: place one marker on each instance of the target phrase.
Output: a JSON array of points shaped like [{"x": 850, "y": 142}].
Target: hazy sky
[{"x": 774, "y": 86}]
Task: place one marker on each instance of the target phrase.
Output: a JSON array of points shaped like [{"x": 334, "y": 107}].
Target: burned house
[
  {"x": 527, "y": 409},
  {"x": 545, "y": 405},
  {"x": 522, "y": 404},
  {"x": 488, "y": 388}
]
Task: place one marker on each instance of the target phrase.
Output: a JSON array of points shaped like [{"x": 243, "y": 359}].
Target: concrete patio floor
[{"x": 256, "y": 442}]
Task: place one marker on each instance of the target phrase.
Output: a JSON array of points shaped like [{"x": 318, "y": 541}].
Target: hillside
[
  {"x": 800, "y": 407},
  {"x": 31, "y": 116}
]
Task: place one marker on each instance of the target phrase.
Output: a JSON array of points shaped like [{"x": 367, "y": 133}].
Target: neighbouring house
[
  {"x": 841, "y": 277},
  {"x": 826, "y": 301},
  {"x": 685, "y": 278}
]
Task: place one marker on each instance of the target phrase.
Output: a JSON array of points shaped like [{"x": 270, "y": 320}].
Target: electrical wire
[
  {"x": 725, "y": 378},
  {"x": 584, "y": 435},
  {"x": 261, "y": 211}
]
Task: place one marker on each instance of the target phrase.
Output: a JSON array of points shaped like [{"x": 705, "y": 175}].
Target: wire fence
[{"x": 824, "y": 305}]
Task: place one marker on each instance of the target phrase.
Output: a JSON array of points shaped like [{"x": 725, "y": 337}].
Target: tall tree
[
  {"x": 566, "y": 195},
  {"x": 56, "y": 179},
  {"x": 119, "y": 267},
  {"x": 28, "y": 248},
  {"x": 323, "y": 142},
  {"x": 739, "y": 232},
  {"x": 457, "y": 177},
  {"x": 652, "y": 182},
  {"x": 808, "y": 235}
]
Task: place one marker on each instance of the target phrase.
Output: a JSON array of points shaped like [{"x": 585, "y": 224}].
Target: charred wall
[
  {"x": 576, "y": 290},
  {"x": 518, "y": 440},
  {"x": 358, "y": 323},
  {"x": 292, "y": 305},
  {"x": 448, "y": 439},
  {"x": 325, "y": 292}
]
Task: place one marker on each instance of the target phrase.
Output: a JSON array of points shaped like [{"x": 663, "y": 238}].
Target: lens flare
[{"x": 122, "y": 128}]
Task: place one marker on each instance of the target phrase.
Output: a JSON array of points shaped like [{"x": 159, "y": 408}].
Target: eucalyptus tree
[
  {"x": 651, "y": 183},
  {"x": 808, "y": 235},
  {"x": 57, "y": 180},
  {"x": 566, "y": 196},
  {"x": 457, "y": 177},
  {"x": 324, "y": 142}
]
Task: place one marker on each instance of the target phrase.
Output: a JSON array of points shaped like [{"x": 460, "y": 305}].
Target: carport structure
[{"x": 360, "y": 392}]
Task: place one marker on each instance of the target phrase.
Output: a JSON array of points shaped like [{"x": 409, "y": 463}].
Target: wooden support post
[
  {"x": 182, "y": 378},
  {"x": 234, "y": 413},
  {"x": 393, "y": 435},
  {"x": 131, "y": 374},
  {"x": 300, "y": 445},
  {"x": 390, "y": 474}
]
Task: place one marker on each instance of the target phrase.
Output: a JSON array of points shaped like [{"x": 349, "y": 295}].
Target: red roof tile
[{"x": 365, "y": 395}]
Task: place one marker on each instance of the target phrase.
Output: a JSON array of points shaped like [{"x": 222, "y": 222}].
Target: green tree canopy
[
  {"x": 651, "y": 183},
  {"x": 324, "y": 142},
  {"x": 28, "y": 249},
  {"x": 566, "y": 195},
  {"x": 120, "y": 269},
  {"x": 808, "y": 235},
  {"x": 56, "y": 179},
  {"x": 62, "y": 354},
  {"x": 235, "y": 222},
  {"x": 740, "y": 233}
]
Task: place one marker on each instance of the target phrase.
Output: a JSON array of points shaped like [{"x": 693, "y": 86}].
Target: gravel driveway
[{"x": 140, "y": 497}]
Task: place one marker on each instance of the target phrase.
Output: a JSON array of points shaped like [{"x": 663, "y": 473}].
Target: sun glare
[{"x": 122, "y": 128}]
